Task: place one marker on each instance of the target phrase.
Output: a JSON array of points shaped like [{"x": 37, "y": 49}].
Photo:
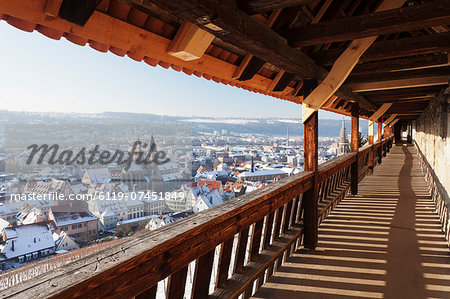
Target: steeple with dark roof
[{"x": 343, "y": 141}]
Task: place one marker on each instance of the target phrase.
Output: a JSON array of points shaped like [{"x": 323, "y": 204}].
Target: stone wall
[{"x": 432, "y": 134}]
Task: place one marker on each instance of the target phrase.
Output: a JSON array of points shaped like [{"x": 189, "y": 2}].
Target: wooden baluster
[
  {"x": 256, "y": 239},
  {"x": 276, "y": 232},
  {"x": 224, "y": 262},
  {"x": 268, "y": 230},
  {"x": 240, "y": 251},
  {"x": 202, "y": 277},
  {"x": 177, "y": 284},
  {"x": 296, "y": 203},
  {"x": 287, "y": 217}
]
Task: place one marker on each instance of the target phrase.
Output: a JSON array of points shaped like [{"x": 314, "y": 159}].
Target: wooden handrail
[{"x": 265, "y": 225}]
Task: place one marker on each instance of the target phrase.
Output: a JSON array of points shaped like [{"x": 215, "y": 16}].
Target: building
[
  {"x": 344, "y": 146},
  {"x": 26, "y": 243},
  {"x": 81, "y": 226},
  {"x": 262, "y": 175}
]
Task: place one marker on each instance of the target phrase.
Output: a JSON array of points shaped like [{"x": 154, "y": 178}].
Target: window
[
  {"x": 80, "y": 225},
  {"x": 85, "y": 224},
  {"x": 21, "y": 259},
  {"x": 74, "y": 227}
]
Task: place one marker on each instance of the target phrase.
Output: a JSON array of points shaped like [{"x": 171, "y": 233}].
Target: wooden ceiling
[{"x": 282, "y": 48}]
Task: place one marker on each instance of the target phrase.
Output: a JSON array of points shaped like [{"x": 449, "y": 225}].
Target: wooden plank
[
  {"x": 378, "y": 23},
  {"x": 256, "y": 239},
  {"x": 202, "y": 276},
  {"x": 389, "y": 49},
  {"x": 400, "y": 83},
  {"x": 399, "y": 64},
  {"x": 241, "y": 249},
  {"x": 399, "y": 75},
  {"x": 252, "y": 7},
  {"x": 403, "y": 94},
  {"x": 190, "y": 42},
  {"x": 354, "y": 146},
  {"x": 52, "y": 8},
  {"x": 382, "y": 110},
  {"x": 245, "y": 61},
  {"x": 224, "y": 262},
  {"x": 268, "y": 230},
  {"x": 177, "y": 284}
]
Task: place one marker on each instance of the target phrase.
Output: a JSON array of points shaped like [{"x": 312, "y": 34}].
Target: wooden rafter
[
  {"x": 390, "y": 49},
  {"x": 225, "y": 20},
  {"x": 408, "y": 63},
  {"x": 341, "y": 68},
  {"x": 248, "y": 57},
  {"x": 399, "y": 83},
  {"x": 379, "y": 113},
  {"x": 378, "y": 23},
  {"x": 261, "y": 6},
  {"x": 390, "y": 118},
  {"x": 393, "y": 123},
  {"x": 52, "y": 7}
]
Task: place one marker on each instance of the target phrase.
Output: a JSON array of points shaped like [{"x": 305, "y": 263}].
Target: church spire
[{"x": 343, "y": 141}]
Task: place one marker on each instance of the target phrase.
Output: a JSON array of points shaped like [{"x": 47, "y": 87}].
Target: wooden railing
[
  {"x": 437, "y": 192},
  {"x": 235, "y": 247}
]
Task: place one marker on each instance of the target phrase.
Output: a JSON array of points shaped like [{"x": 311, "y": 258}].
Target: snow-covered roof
[
  {"x": 29, "y": 238},
  {"x": 3, "y": 224},
  {"x": 168, "y": 166},
  {"x": 69, "y": 218},
  {"x": 268, "y": 172},
  {"x": 10, "y": 207},
  {"x": 99, "y": 175},
  {"x": 171, "y": 177}
]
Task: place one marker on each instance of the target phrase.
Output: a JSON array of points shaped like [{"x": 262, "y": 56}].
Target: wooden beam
[
  {"x": 400, "y": 83},
  {"x": 249, "y": 61},
  {"x": 261, "y": 6},
  {"x": 390, "y": 118},
  {"x": 342, "y": 67},
  {"x": 393, "y": 123},
  {"x": 390, "y": 49},
  {"x": 275, "y": 80},
  {"x": 354, "y": 146},
  {"x": 190, "y": 42},
  {"x": 408, "y": 74},
  {"x": 310, "y": 197},
  {"x": 225, "y": 20},
  {"x": 407, "y": 93},
  {"x": 375, "y": 24},
  {"x": 52, "y": 7},
  {"x": 379, "y": 113},
  {"x": 408, "y": 63}
]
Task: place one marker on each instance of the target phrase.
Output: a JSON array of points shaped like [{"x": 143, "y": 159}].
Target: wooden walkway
[{"x": 384, "y": 243}]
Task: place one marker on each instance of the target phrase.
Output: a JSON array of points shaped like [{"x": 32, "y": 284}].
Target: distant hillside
[{"x": 266, "y": 126}]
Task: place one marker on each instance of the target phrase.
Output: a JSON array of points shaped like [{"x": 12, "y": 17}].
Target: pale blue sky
[{"x": 41, "y": 74}]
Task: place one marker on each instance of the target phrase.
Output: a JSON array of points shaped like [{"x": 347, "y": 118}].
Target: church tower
[{"x": 344, "y": 146}]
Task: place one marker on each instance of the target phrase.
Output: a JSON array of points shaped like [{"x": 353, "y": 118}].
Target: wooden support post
[
  {"x": 354, "y": 145},
  {"x": 310, "y": 197},
  {"x": 370, "y": 137},
  {"x": 380, "y": 137}
]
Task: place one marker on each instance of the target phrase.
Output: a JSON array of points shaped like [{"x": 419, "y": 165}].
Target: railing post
[
  {"x": 310, "y": 197},
  {"x": 370, "y": 140},
  {"x": 380, "y": 138},
  {"x": 354, "y": 146}
]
